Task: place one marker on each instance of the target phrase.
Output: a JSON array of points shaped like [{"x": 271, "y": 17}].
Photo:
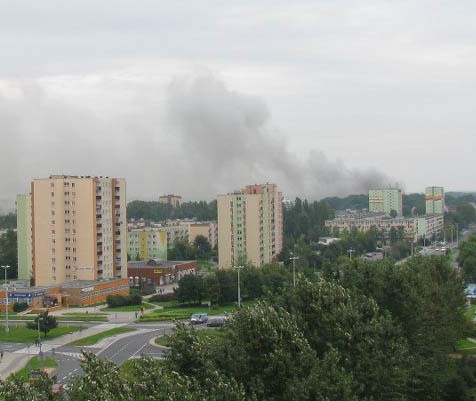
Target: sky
[{"x": 199, "y": 98}]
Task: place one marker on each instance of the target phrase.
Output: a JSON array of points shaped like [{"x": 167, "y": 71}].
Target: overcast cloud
[{"x": 200, "y": 98}]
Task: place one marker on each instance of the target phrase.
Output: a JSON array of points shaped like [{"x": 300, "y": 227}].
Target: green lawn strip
[
  {"x": 82, "y": 318},
  {"x": 33, "y": 363},
  {"x": 172, "y": 311},
  {"x": 206, "y": 334},
  {"x": 22, "y": 334},
  {"x": 128, "y": 308},
  {"x": 470, "y": 313},
  {"x": 91, "y": 340}
]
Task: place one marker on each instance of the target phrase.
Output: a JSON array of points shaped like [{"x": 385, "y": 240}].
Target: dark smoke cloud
[
  {"x": 212, "y": 140},
  {"x": 227, "y": 135}
]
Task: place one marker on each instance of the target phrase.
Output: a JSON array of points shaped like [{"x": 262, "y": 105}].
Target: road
[{"x": 134, "y": 345}]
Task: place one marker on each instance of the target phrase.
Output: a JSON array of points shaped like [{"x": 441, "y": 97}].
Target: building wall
[
  {"x": 435, "y": 200},
  {"x": 78, "y": 227},
  {"x": 250, "y": 226},
  {"x": 95, "y": 292},
  {"x": 174, "y": 200},
  {"x": 147, "y": 243},
  {"x": 209, "y": 230},
  {"x": 225, "y": 230},
  {"x": 25, "y": 255},
  {"x": 386, "y": 200},
  {"x": 159, "y": 275}
]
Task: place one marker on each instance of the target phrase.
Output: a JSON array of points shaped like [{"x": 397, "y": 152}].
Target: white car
[{"x": 199, "y": 318}]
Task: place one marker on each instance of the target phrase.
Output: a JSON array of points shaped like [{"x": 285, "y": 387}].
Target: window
[
  {"x": 52, "y": 184},
  {"x": 52, "y": 194},
  {"x": 53, "y": 232}
]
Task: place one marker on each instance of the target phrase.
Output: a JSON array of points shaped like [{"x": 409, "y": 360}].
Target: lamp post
[
  {"x": 351, "y": 251},
  {"x": 39, "y": 336},
  {"x": 5, "y": 287},
  {"x": 294, "y": 258},
  {"x": 238, "y": 268}
]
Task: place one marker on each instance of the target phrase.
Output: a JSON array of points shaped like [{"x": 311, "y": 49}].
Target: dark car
[{"x": 216, "y": 322}]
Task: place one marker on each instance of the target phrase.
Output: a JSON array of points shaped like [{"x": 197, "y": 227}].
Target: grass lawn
[
  {"x": 128, "y": 308},
  {"x": 466, "y": 347},
  {"x": 172, "y": 310},
  {"x": 22, "y": 334},
  {"x": 33, "y": 363},
  {"x": 206, "y": 334},
  {"x": 83, "y": 317},
  {"x": 91, "y": 340},
  {"x": 470, "y": 313}
]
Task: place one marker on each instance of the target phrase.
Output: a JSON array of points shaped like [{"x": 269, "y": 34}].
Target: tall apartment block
[
  {"x": 250, "y": 226},
  {"x": 78, "y": 229},
  {"x": 24, "y": 243},
  {"x": 386, "y": 200},
  {"x": 434, "y": 200}
]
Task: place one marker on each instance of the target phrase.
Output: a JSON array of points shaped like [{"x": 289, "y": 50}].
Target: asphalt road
[{"x": 134, "y": 345}]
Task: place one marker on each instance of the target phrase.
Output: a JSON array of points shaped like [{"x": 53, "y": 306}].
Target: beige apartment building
[
  {"x": 250, "y": 226},
  {"x": 174, "y": 200},
  {"x": 78, "y": 229}
]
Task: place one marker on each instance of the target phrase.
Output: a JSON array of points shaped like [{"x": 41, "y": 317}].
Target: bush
[
  {"x": 163, "y": 297},
  {"x": 20, "y": 306},
  {"x": 114, "y": 301}
]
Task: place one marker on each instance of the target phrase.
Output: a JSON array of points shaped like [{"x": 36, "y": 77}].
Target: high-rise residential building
[
  {"x": 147, "y": 243},
  {"x": 78, "y": 229},
  {"x": 250, "y": 226},
  {"x": 385, "y": 200},
  {"x": 25, "y": 255},
  {"x": 434, "y": 200},
  {"x": 174, "y": 200}
]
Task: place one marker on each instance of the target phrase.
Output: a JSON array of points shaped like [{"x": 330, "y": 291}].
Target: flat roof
[
  {"x": 154, "y": 264},
  {"x": 86, "y": 283}
]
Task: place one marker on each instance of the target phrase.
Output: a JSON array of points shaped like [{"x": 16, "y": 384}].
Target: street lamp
[
  {"x": 238, "y": 268},
  {"x": 5, "y": 287},
  {"x": 351, "y": 251},
  {"x": 294, "y": 258},
  {"x": 39, "y": 337}
]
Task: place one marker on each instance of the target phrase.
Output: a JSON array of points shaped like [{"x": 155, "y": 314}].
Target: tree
[
  {"x": 425, "y": 296},
  {"x": 202, "y": 246},
  {"x": 8, "y": 253},
  {"x": 190, "y": 289},
  {"x": 47, "y": 323}
]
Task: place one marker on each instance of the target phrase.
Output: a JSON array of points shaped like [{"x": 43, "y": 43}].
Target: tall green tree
[
  {"x": 8, "y": 253},
  {"x": 47, "y": 323}
]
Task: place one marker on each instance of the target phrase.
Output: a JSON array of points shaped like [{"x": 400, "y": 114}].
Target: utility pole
[
  {"x": 294, "y": 258},
  {"x": 5, "y": 287},
  {"x": 238, "y": 268}
]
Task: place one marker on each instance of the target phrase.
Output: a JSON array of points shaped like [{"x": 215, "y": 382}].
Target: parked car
[
  {"x": 199, "y": 318},
  {"x": 216, "y": 322}
]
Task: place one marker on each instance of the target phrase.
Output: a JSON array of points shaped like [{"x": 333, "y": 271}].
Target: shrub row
[{"x": 114, "y": 301}]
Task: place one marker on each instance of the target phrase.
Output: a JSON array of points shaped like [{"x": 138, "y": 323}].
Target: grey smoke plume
[
  {"x": 197, "y": 138},
  {"x": 227, "y": 135}
]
